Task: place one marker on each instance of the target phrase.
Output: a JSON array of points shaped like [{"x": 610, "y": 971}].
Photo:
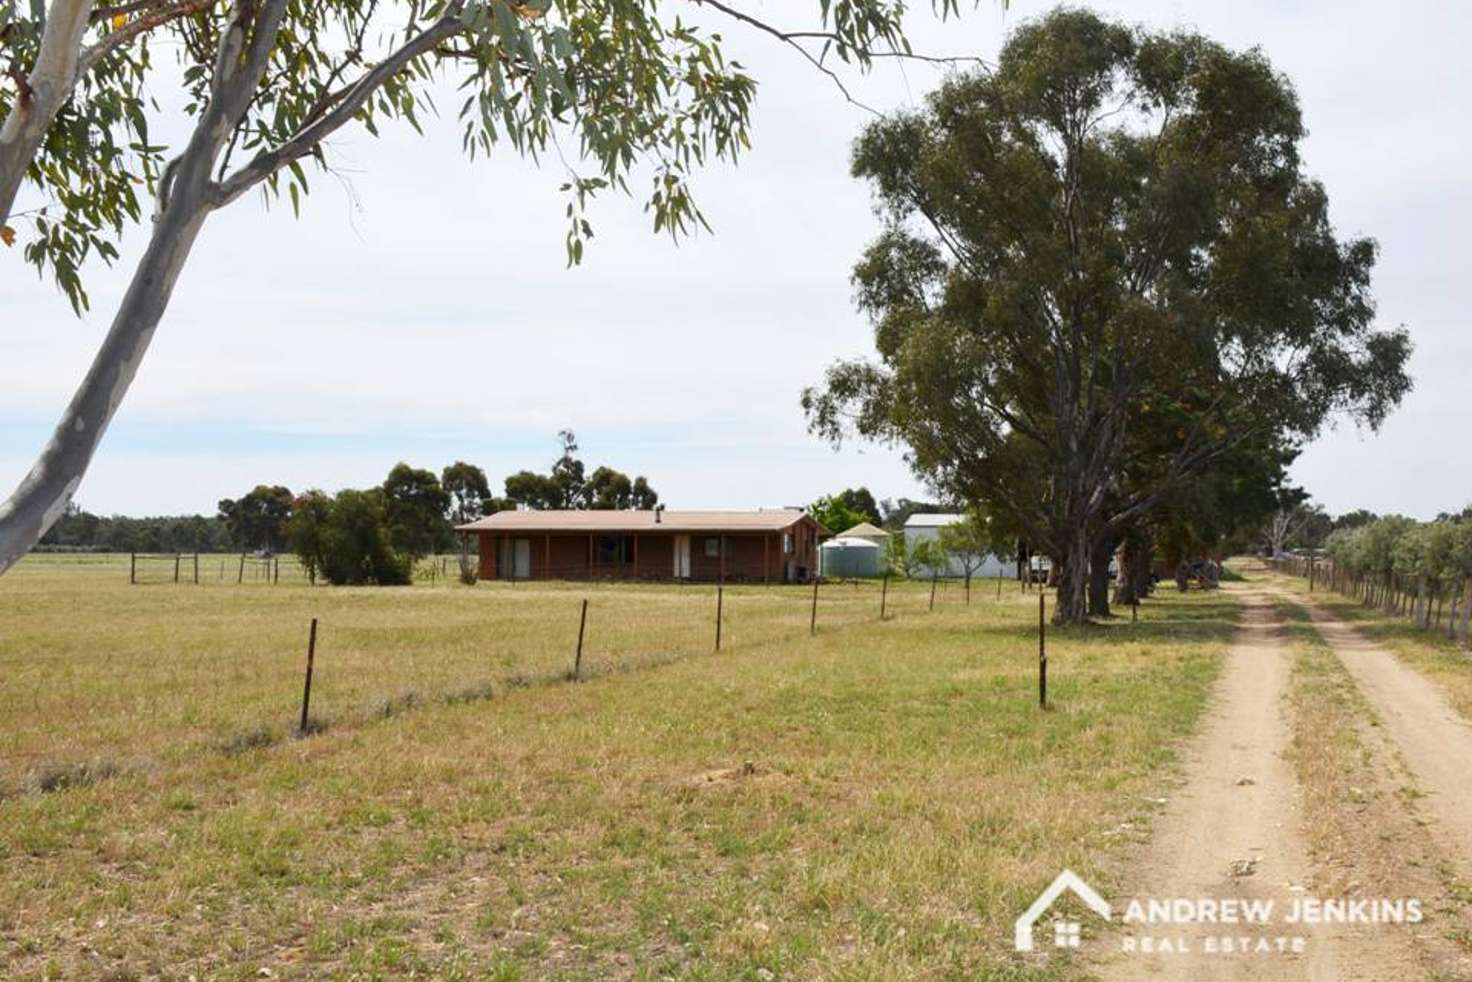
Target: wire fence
[
  {"x": 226, "y": 669},
  {"x": 1443, "y": 606}
]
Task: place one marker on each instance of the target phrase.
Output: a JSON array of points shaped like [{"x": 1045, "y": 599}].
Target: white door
[
  {"x": 521, "y": 564},
  {"x": 682, "y": 557}
]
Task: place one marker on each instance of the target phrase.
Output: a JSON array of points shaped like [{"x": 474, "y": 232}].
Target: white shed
[{"x": 925, "y": 527}]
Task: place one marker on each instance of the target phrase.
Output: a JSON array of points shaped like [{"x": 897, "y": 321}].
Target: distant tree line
[
  {"x": 81, "y": 531},
  {"x": 371, "y": 535}
]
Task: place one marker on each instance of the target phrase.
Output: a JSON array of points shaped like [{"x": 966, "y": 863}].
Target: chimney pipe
[{"x": 657, "y": 510}]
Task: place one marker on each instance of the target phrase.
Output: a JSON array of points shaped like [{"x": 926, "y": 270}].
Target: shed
[{"x": 926, "y": 526}]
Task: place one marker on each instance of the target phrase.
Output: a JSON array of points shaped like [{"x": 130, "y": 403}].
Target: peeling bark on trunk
[{"x": 1071, "y": 606}]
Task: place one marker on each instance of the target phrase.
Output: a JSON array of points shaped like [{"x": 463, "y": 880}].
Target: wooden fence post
[
  {"x": 720, "y": 589},
  {"x": 176, "y": 567},
  {"x": 196, "y": 569},
  {"x": 276, "y": 576},
  {"x": 241, "y": 578},
  {"x": 883, "y": 594},
  {"x": 577, "y": 663},
  {"x": 133, "y": 567},
  {"x": 1042, "y": 653},
  {"x": 813, "y": 619},
  {"x": 307, "y": 687},
  {"x": 999, "y": 586},
  {"x": 934, "y": 578}
]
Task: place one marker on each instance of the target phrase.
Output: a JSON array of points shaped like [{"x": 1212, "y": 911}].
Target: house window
[
  {"x": 613, "y": 549},
  {"x": 713, "y": 548},
  {"x": 786, "y": 543}
]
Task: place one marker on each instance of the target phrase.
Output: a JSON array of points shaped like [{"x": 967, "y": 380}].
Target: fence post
[
  {"x": 720, "y": 588},
  {"x": 133, "y": 568},
  {"x": 276, "y": 577},
  {"x": 813, "y": 619},
  {"x": 577, "y": 662},
  {"x": 307, "y": 687},
  {"x": 883, "y": 594},
  {"x": 1042, "y": 653},
  {"x": 241, "y": 578},
  {"x": 196, "y": 569},
  {"x": 934, "y": 579},
  {"x": 999, "y": 586},
  {"x": 176, "y": 567},
  {"x": 1134, "y": 609}
]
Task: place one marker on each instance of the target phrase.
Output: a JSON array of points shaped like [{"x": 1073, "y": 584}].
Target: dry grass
[
  {"x": 1441, "y": 659},
  {"x": 880, "y": 801},
  {"x": 1360, "y": 800}
]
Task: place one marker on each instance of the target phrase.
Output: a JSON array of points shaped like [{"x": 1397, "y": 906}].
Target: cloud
[{"x": 427, "y": 314}]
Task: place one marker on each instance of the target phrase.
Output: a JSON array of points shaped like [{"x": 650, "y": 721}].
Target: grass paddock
[{"x": 879, "y": 800}]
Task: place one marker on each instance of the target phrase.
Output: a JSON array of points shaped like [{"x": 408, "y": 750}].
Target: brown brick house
[{"x": 755, "y": 546}]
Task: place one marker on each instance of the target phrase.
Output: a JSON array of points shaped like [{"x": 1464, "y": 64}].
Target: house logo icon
[{"x": 1065, "y": 933}]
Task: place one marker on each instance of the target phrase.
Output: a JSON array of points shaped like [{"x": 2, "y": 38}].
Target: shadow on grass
[{"x": 1211, "y": 618}]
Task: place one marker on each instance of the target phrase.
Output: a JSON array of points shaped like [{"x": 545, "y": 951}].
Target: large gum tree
[
  {"x": 1103, "y": 269},
  {"x": 622, "y": 87}
]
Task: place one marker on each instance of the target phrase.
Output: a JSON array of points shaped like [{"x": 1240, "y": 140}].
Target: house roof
[
  {"x": 638, "y": 521},
  {"x": 863, "y": 530},
  {"x": 932, "y": 520}
]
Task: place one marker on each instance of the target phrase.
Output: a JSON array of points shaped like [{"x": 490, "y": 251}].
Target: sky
[{"x": 420, "y": 309}]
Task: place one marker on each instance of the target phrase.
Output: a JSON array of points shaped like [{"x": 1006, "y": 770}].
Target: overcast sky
[{"x": 426, "y": 315}]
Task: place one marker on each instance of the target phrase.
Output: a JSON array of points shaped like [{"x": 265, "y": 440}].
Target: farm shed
[
  {"x": 851, "y": 557},
  {"x": 926, "y": 527},
  {"x": 755, "y": 546}
]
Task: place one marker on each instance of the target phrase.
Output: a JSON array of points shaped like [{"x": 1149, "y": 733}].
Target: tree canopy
[
  {"x": 1103, "y": 268},
  {"x": 620, "y": 92},
  {"x": 568, "y": 485}
]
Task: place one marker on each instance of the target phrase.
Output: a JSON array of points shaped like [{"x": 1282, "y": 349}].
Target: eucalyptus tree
[
  {"x": 1111, "y": 230},
  {"x": 630, "y": 84}
]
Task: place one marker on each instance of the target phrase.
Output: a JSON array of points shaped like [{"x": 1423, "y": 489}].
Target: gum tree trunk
[
  {"x": 45, "y": 492},
  {"x": 48, "y": 86},
  {"x": 1071, "y": 605},
  {"x": 1100, "y": 555},
  {"x": 187, "y": 195}
]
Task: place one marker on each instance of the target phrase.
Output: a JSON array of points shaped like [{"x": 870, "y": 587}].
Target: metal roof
[
  {"x": 637, "y": 521},
  {"x": 932, "y": 519}
]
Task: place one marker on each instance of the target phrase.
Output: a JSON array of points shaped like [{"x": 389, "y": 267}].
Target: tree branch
[{"x": 305, "y": 140}]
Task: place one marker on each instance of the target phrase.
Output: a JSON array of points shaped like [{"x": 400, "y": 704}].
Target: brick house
[{"x": 755, "y": 546}]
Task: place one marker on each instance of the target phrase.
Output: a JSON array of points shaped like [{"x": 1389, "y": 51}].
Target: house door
[
  {"x": 682, "y": 557},
  {"x": 521, "y": 560}
]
